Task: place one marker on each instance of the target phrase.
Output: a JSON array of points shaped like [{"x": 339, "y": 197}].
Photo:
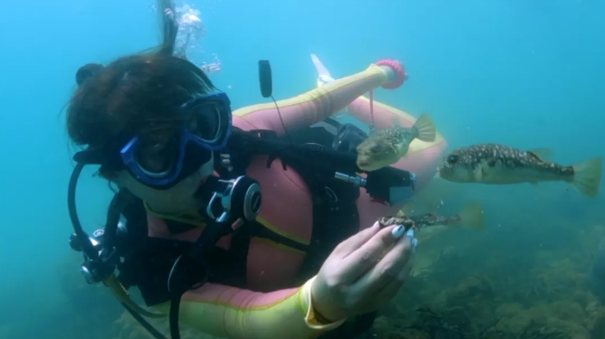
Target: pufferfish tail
[
  {"x": 587, "y": 176},
  {"x": 425, "y": 128},
  {"x": 472, "y": 216}
]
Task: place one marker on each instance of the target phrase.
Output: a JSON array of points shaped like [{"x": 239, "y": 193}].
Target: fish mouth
[
  {"x": 366, "y": 165},
  {"x": 362, "y": 163},
  {"x": 441, "y": 172}
]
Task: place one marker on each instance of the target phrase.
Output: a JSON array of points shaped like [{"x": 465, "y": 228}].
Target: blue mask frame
[{"x": 204, "y": 147}]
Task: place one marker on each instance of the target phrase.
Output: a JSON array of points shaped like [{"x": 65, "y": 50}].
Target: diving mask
[{"x": 163, "y": 163}]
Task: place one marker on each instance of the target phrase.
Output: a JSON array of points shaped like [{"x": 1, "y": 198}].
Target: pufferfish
[
  {"x": 386, "y": 146},
  {"x": 498, "y": 164},
  {"x": 428, "y": 225}
]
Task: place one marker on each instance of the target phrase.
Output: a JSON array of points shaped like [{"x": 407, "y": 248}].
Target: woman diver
[{"x": 158, "y": 127}]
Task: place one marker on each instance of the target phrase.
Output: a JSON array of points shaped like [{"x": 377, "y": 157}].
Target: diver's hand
[
  {"x": 363, "y": 272},
  {"x": 226, "y": 162}
]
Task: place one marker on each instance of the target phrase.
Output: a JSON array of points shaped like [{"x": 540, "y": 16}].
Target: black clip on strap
[{"x": 180, "y": 281}]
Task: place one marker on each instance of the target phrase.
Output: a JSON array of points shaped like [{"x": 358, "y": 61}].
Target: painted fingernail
[
  {"x": 398, "y": 231},
  {"x": 414, "y": 242},
  {"x": 410, "y": 233}
]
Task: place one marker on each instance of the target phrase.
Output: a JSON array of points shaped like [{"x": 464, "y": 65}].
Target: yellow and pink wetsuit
[{"x": 270, "y": 306}]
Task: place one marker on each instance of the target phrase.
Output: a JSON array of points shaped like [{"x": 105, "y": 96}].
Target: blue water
[{"x": 526, "y": 73}]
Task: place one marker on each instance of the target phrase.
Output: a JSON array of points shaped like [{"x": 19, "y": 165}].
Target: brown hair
[{"x": 135, "y": 94}]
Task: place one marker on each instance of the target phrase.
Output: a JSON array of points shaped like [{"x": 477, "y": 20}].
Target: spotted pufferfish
[
  {"x": 499, "y": 164},
  {"x": 429, "y": 224},
  {"x": 386, "y": 146}
]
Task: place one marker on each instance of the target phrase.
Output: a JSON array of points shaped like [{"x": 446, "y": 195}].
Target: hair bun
[{"x": 87, "y": 71}]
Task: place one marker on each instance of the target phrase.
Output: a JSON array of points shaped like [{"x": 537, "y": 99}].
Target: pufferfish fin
[
  {"x": 542, "y": 153},
  {"x": 478, "y": 174}
]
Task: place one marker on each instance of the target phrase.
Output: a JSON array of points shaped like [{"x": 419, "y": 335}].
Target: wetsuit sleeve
[
  {"x": 236, "y": 313},
  {"x": 311, "y": 107}
]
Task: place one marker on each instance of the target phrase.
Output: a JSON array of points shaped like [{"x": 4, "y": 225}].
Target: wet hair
[
  {"x": 86, "y": 72},
  {"x": 134, "y": 94}
]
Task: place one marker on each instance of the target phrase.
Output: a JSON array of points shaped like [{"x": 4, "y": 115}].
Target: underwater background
[{"x": 524, "y": 73}]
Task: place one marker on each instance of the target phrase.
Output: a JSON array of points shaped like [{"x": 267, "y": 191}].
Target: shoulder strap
[{"x": 240, "y": 245}]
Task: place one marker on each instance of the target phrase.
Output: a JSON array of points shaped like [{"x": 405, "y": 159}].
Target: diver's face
[{"x": 178, "y": 198}]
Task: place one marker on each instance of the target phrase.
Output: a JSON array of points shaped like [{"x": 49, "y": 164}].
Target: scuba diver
[{"x": 277, "y": 245}]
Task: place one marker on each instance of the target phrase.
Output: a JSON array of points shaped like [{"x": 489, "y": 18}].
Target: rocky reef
[
  {"x": 530, "y": 287},
  {"x": 500, "y": 286},
  {"x": 524, "y": 277}
]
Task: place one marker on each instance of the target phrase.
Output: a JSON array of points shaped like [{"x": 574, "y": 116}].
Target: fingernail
[
  {"x": 410, "y": 233},
  {"x": 414, "y": 242},
  {"x": 398, "y": 231}
]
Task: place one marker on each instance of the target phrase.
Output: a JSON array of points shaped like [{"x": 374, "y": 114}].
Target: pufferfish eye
[
  {"x": 452, "y": 159},
  {"x": 376, "y": 148}
]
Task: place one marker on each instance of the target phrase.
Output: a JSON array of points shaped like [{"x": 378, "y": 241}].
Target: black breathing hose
[
  {"x": 322, "y": 156},
  {"x": 85, "y": 243}
]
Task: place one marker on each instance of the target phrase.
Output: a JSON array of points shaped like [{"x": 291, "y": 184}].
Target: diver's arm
[
  {"x": 236, "y": 313},
  {"x": 318, "y": 104}
]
